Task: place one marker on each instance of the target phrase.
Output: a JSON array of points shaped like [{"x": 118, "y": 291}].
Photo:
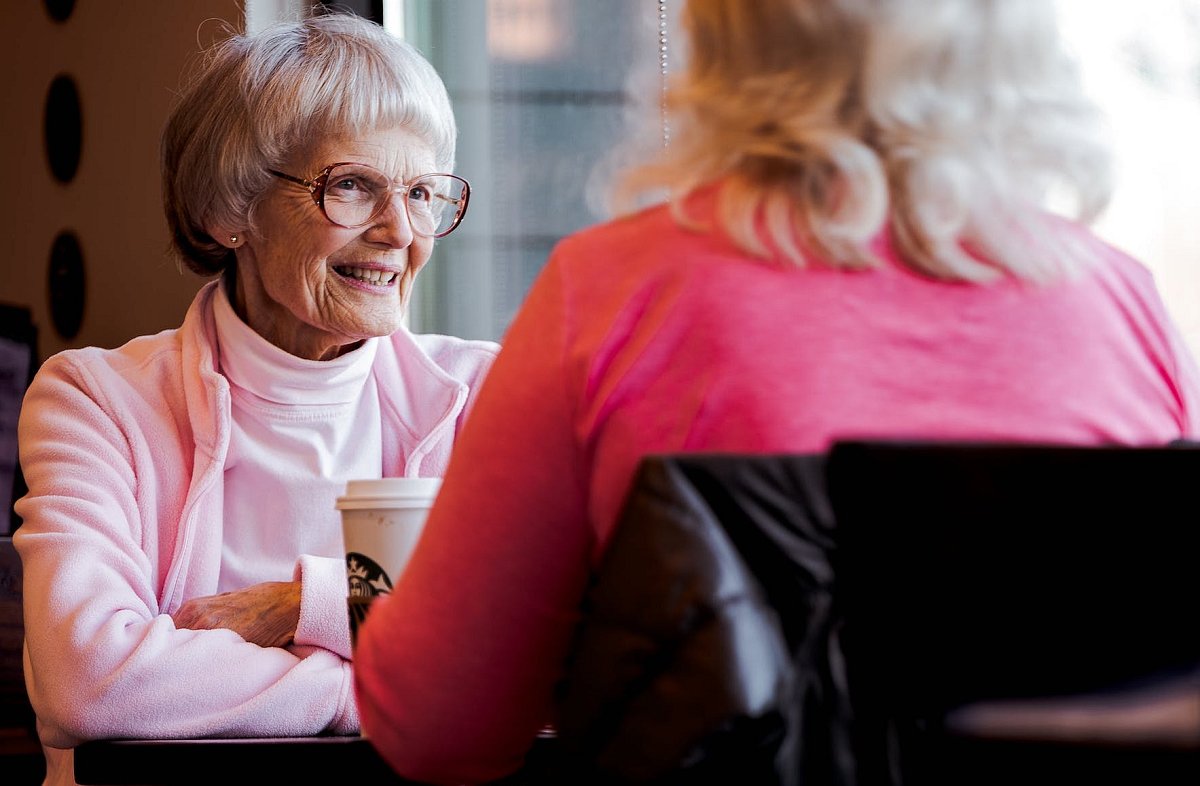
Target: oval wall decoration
[
  {"x": 67, "y": 284},
  {"x": 59, "y": 10},
  {"x": 63, "y": 128}
]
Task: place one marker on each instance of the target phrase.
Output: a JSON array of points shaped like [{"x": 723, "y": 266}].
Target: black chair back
[
  {"x": 788, "y": 619},
  {"x": 21, "y": 758},
  {"x": 18, "y": 364},
  {"x": 980, "y": 572}
]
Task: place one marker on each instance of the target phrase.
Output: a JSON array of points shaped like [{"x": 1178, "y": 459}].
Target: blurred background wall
[
  {"x": 125, "y": 60},
  {"x": 83, "y": 241}
]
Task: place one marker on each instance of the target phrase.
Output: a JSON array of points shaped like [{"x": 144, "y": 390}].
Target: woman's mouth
[{"x": 381, "y": 278}]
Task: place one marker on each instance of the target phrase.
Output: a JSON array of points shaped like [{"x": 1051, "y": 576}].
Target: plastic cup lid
[{"x": 389, "y": 493}]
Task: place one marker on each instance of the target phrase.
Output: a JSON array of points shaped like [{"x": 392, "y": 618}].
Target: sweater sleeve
[
  {"x": 323, "y": 591},
  {"x": 103, "y": 659},
  {"x": 455, "y": 670}
]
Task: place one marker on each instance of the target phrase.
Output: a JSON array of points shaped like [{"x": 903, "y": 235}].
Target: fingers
[{"x": 264, "y": 614}]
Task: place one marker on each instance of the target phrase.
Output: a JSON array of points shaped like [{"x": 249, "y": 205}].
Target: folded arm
[
  {"x": 105, "y": 658},
  {"x": 264, "y": 614}
]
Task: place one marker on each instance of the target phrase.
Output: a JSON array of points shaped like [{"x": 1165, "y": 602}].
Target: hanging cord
[{"x": 662, "y": 62}]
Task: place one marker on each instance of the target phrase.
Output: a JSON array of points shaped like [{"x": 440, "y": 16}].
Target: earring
[{"x": 233, "y": 240}]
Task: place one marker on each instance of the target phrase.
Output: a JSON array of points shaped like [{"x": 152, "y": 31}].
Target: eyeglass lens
[{"x": 354, "y": 194}]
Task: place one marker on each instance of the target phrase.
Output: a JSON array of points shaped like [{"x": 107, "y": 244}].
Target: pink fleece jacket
[
  {"x": 642, "y": 337},
  {"x": 124, "y": 452}
]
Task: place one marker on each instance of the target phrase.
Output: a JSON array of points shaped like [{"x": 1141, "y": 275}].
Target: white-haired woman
[
  {"x": 184, "y": 573},
  {"x": 854, "y": 246}
]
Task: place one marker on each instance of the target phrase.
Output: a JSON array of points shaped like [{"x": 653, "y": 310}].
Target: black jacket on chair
[{"x": 709, "y": 649}]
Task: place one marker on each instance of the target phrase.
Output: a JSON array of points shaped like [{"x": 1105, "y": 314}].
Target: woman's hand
[{"x": 264, "y": 614}]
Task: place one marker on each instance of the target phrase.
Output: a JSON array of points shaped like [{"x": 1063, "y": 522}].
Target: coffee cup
[{"x": 382, "y": 520}]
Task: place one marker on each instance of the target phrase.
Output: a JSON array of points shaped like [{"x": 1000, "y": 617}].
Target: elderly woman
[
  {"x": 183, "y": 565},
  {"x": 854, "y": 247}
]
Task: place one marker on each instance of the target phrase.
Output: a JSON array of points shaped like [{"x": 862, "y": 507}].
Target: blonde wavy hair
[{"x": 953, "y": 121}]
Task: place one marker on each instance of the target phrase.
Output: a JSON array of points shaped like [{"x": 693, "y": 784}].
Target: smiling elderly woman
[{"x": 182, "y": 551}]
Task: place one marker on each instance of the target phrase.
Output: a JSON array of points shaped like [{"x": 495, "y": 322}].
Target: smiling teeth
[{"x": 367, "y": 275}]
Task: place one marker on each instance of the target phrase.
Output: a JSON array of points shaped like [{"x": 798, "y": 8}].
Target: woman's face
[{"x": 316, "y": 289}]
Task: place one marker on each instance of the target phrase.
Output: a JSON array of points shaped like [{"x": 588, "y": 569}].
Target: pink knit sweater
[{"x": 124, "y": 454}]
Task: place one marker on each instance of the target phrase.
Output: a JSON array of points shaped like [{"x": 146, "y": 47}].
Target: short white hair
[
  {"x": 953, "y": 120},
  {"x": 258, "y": 99}
]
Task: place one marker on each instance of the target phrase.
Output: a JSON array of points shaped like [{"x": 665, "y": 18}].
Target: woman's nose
[{"x": 393, "y": 225}]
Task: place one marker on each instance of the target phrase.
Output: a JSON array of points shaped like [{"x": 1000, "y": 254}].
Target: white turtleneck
[{"x": 301, "y": 429}]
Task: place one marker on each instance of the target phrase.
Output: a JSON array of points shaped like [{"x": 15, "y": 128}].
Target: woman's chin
[{"x": 382, "y": 327}]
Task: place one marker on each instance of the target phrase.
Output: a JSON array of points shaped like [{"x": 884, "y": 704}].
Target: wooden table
[
  {"x": 296, "y": 760},
  {"x": 325, "y": 760}
]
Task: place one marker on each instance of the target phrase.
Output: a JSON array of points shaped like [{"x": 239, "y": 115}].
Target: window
[
  {"x": 544, "y": 88},
  {"x": 541, "y": 90},
  {"x": 1141, "y": 63}
]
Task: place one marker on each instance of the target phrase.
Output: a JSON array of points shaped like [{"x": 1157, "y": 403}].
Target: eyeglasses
[{"x": 353, "y": 195}]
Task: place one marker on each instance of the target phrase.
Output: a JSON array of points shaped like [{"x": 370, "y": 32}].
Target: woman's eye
[
  {"x": 347, "y": 184},
  {"x": 420, "y": 193}
]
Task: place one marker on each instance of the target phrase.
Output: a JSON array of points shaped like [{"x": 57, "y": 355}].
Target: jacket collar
[{"x": 418, "y": 396}]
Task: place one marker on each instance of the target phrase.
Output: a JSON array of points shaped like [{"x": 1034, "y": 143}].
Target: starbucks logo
[{"x": 367, "y": 579}]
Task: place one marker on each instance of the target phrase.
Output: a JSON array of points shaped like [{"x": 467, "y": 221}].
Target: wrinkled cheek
[
  {"x": 420, "y": 252},
  {"x": 416, "y": 263},
  {"x": 407, "y": 286}
]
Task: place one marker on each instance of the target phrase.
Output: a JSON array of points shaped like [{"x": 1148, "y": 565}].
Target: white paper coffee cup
[{"x": 382, "y": 520}]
